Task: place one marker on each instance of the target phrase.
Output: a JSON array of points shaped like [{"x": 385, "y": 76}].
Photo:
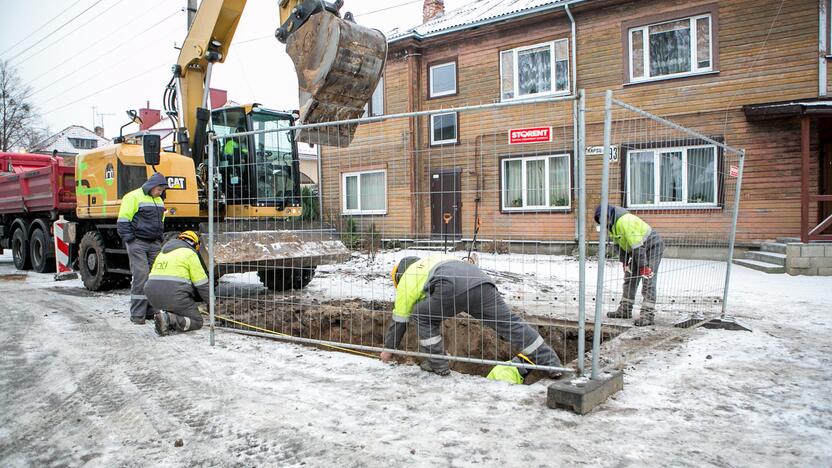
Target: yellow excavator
[{"x": 338, "y": 64}]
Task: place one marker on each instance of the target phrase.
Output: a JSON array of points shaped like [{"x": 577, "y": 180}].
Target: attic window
[{"x": 83, "y": 143}]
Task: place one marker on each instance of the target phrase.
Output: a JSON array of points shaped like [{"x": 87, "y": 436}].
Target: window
[
  {"x": 672, "y": 177},
  {"x": 365, "y": 192},
  {"x": 442, "y": 79},
  {"x": 670, "y": 49},
  {"x": 84, "y": 143},
  {"x": 537, "y": 70},
  {"x": 536, "y": 183},
  {"x": 376, "y": 104},
  {"x": 443, "y": 128}
]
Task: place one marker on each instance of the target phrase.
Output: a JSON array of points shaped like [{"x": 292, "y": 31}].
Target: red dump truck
[{"x": 35, "y": 190}]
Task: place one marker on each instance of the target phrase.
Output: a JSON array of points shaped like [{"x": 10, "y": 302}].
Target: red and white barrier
[{"x": 63, "y": 271}]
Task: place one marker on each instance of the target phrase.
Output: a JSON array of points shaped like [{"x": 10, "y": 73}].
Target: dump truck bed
[{"x": 35, "y": 183}]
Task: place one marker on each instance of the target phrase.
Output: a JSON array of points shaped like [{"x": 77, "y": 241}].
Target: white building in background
[{"x": 71, "y": 141}]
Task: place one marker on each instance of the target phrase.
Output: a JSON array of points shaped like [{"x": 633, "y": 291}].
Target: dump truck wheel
[
  {"x": 92, "y": 262},
  {"x": 42, "y": 251},
  {"x": 20, "y": 250},
  {"x": 283, "y": 279}
]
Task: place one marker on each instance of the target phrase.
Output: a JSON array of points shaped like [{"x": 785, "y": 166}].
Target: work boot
[
  {"x": 161, "y": 322},
  {"x": 647, "y": 317},
  {"x": 623, "y": 312},
  {"x": 138, "y": 320},
  {"x": 426, "y": 366}
]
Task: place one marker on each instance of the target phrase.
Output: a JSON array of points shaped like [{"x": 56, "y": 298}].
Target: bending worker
[
  {"x": 438, "y": 287},
  {"x": 178, "y": 280},
  {"x": 640, "y": 251},
  {"x": 141, "y": 225}
]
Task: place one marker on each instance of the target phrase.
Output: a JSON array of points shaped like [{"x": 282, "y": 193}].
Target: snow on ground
[
  {"x": 543, "y": 285},
  {"x": 81, "y": 385}
]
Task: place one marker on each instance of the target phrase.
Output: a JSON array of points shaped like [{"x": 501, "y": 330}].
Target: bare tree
[{"x": 18, "y": 119}]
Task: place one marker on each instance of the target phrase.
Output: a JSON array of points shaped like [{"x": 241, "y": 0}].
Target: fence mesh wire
[
  {"x": 681, "y": 178},
  {"x": 312, "y": 262},
  {"x": 446, "y": 182}
]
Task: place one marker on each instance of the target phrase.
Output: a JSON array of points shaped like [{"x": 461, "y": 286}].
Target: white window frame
[
  {"x": 523, "y": 184},
  {"x": 369, "y": 107},
  {"x": 443, "y": 93},
  {"x": 357, "y": 175},
  {"x": 456, "y": 126},
  {"x": 694, "y": 63},
  {"x": 553, "y": 78},
  {"x": 684, "y": 204}
]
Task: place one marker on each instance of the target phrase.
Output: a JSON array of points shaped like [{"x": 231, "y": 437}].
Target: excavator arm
[{"x": 338, "y": 64}]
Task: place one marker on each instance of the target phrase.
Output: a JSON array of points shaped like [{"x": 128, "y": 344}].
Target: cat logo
[
  {"x": 109, "y": 174},
  {"x": 176, "y": 183}
]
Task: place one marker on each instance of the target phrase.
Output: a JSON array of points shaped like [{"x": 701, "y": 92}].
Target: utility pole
[{"x": 191, "y": 12}]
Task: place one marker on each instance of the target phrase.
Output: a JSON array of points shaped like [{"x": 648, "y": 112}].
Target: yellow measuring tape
[{"x": 272, "y": 332}]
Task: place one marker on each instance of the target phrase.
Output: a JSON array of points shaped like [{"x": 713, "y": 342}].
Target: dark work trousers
[
  {"x": 177, "y": 298},
  {"x": 484, "y": 303},
  {"x": 142, "y": 254},
  {"x": 654, "y": 251}
]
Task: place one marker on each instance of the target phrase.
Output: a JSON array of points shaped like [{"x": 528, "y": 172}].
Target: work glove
[
  {"x": 646, "y": 272},
  {"x": 628, "y": 267}
]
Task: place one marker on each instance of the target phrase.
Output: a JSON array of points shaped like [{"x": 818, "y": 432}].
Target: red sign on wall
[
  {"x": 529, "y": 135},
  {"x": 734, "y": 171}
]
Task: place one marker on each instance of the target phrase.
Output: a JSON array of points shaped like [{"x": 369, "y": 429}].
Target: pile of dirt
[{"x": 365, "y": 322}]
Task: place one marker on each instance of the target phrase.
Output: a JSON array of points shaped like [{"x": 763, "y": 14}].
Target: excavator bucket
[{"x": 338, "y": 64}]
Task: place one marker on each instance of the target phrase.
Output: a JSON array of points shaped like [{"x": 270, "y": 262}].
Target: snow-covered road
[{"x": 81, "y": 385}]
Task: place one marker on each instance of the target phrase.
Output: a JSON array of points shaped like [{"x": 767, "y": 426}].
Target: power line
[
  {"x": 388, "y": 8},
  {"x": 78, "y": 28},
  {"x": 83, "y": 50},
  {"x": 41, "y": 27},
  {"x": 103, "y": 54},
  {"x": 133, "y": 77},
  {"x": 55, "y": 30},
  {"x": 260, "y": 38}
]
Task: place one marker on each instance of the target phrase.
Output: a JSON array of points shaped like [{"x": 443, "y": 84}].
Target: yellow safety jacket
[
  {"x": 629, "y": 232},
  {"x": 411, "y": 287}
]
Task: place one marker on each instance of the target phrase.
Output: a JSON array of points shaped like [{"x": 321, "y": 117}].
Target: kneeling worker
[
  {"x": 177, "y": 281},
  {"x": 440, "y": 286}
]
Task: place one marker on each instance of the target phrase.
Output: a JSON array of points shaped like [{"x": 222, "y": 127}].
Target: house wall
[{"x": 767, "y": 52}]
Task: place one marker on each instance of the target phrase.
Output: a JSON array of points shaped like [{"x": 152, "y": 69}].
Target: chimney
[
  {"x": 219, "y": 97},
  {"x": 99, "y": 131},
  {"x": 150, "y": 117},
  {"x": 431, "y": 9}
]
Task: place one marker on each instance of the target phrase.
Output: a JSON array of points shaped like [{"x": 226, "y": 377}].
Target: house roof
[
  {"x": 780, "y": 110},
  {"x": 476, "y": 14},
  {"x": 60, "y": 141}
]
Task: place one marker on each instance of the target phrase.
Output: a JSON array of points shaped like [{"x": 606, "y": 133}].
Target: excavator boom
[{"x": 338, "y": 64}]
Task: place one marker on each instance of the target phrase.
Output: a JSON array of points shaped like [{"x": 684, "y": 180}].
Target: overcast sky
[{"x": 117, "y": 54}]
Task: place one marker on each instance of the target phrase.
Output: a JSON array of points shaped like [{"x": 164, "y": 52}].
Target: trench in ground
[{"x": 364, "y": 323}]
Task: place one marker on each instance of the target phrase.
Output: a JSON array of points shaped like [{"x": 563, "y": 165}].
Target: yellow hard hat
[
  {"x": 190, "y": 236},
  {"x": 400, "y": 267}
]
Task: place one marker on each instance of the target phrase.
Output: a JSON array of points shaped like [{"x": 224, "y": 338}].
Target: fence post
[
  {"x": 733, "y": 235},
  {"x": 581, "y": 155},
  {"x": 211, "y": 273},
  {"x": 602, "y": 236}
]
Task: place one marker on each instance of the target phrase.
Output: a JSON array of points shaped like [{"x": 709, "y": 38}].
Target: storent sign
[{"x": 529, "y": 135}]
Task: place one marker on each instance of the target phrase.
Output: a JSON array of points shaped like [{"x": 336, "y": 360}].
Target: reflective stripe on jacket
[
  {"x": 140, "y": 215},
  {"x": 411, "y": 287},
  {"x": 178, "y": 262}
]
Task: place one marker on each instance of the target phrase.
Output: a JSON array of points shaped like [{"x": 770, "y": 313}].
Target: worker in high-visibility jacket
[
  {"x": 440, "y": 286},
  {"x": 640, "y": 251},
  {"x": 141, "y": 225},
  {"x": 177, "y": 282}
]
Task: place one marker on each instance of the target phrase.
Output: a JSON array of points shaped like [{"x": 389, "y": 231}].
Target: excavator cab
[{"x": 259, "y": 174}]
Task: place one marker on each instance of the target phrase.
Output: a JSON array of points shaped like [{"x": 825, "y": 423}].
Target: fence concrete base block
[{"x": 582, "y": 395}]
